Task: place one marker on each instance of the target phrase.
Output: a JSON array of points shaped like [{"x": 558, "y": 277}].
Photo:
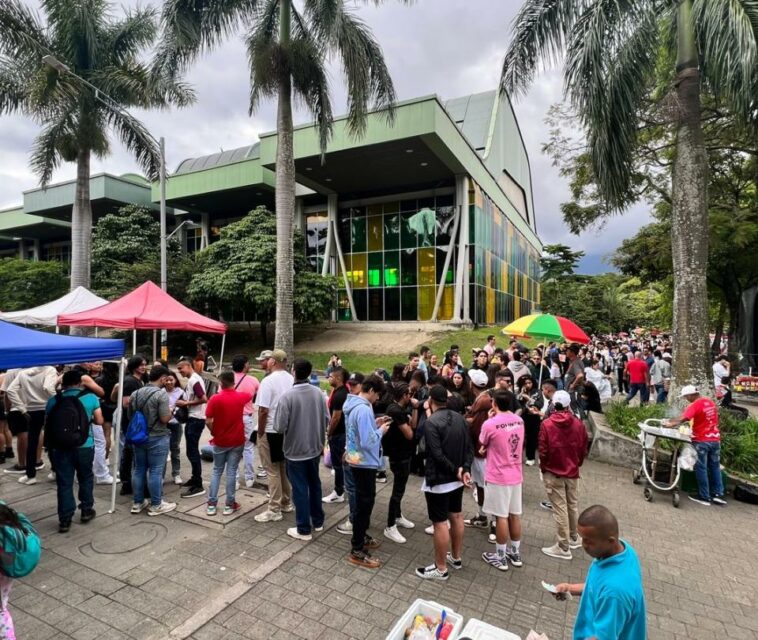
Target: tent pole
[
  {"x": 116, "y": 450},
  {"x": 134, "y": 342},
  {"x": 57, "y": 329},
  {"x": 221, "y": 358},
  {"x": 96, "y": 332},
  {"x": 155, "y": 345}
]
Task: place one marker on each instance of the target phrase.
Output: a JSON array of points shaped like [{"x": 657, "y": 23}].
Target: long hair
[{"x": 11, "y": 528}]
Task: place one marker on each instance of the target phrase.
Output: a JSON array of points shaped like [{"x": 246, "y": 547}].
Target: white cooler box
[
  {"x": 478, "y": 630},
  {"x": 425, "y": 608}
]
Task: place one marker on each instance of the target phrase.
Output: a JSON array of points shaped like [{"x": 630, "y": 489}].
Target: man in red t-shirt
[
  {"x": 223, "y": 415},
  {"x": 639, "y": 377},
  {"x": 703, "y": 416}
]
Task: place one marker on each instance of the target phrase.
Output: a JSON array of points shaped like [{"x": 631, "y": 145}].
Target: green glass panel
[
  {"x": 343, "y": 306},
  {"x": 391, "y": 269},
  {"x": 408, "y": 274},
  {"x": 408, "y": 238},
  {"x": 358, "y": 234},
  {"x": 374, "y": 269},
  {"x": 391, "y": 231},
  {"x": 392, "y": 304},
  {"x": 409, "y": 303}
]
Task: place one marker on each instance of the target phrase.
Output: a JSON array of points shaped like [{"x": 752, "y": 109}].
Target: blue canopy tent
[{"x": 21, "y": 348}]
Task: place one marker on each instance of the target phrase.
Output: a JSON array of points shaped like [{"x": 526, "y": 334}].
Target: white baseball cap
[
  {"x": 688, "y": 390},
  {"x": 562, "y": 398},
  {"x": 478, "y": 378}
]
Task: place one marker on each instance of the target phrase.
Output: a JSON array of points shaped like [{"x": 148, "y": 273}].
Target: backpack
[
  {"x": 746, "y": 493},
  {"x": 21, "y": 551},
  {"x": 138, "y": 431},
  {"x": 67, "y": 424}
]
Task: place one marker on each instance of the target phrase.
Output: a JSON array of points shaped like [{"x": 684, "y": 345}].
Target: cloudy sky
[{"x": 448, "y": 47}]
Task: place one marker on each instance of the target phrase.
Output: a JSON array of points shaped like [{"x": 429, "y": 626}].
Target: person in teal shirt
[
  {"x": 67, "y": 462},
  {"x": 613, "y": 601}
]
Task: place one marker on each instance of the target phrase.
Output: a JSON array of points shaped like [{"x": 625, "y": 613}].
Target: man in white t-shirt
[
  {"x": 270, "y": 443},
  {"x": 721, "y": 369},
  {"x": 194, "y": 400}
]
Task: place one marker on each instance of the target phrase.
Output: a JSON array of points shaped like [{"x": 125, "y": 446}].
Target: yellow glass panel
[
  {"x": 348, "y": 265},
  {"x": 359, "y": 270},
  {"x": 516, "y": 308},
  {"x": 375, "y": 233},
  {"x": 426, "y": 270},
  {"x": 490, "y": 306},
  {"x": 525, "y": 286},
  {"x": 391, "y": 207},
  {"x": 503, "y": 276},
  {"x": 471, "y": 194},
  {"x": 374, "y": 210},
  {"x": 426, "y": 297},
  {"x": 447, "y": 304},
  {"x": 488, "y": 269}
]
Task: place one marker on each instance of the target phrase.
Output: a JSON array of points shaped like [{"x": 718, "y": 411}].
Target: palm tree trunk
[
  {"x": 81, "y": 224},
  {"x": 285, "y": 199},
  {"x": 689, "y": 234}
]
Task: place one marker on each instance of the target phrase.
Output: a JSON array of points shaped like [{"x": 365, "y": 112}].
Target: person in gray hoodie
[
  {"x": 363, "y": 453},
  {"x": 301, "y": 417}
]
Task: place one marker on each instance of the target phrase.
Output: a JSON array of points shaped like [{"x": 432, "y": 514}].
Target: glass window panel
[
  {"x": 359, "y": 274},
  {"x": 374, "y": 269},
  {"x": 343, "y": 306},
  {"x": 375, "y": 233},
  {"x": 391, "y": 207},
  {"x": 392, "y": 269},
  {"x": 424, "y": 224},
  {"x": 409, "y": 303},
  {"x": 361, "y": 304},
  {"x": 425, "y": 202},
  {"x": 426, "y": 267},
  {"x": 375, "y": 305},
  {"x": 445, "y": 225},
  {"x": 408, "y": 239},
  {"x": 426, "y": 296},
  {"x": 408, "y": 205},
  {"x": 444, "y": 201},
  {"x": 358, "y": 234},
  {"x": 450, "y": 276},
  {"x": 343, "y": 230},
  {"x": 348, "y": 265},
  {"x": 392, "y": 304},
  {"x": 358, "y": 212},
  {"x": 374, "y": 210},
  {"x": 447, "y": 304},
  {"x": 408, "y": 268},
  {"x": 391, "y": 231}
]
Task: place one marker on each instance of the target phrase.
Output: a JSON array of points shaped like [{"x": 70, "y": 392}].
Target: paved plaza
[{"x": 184, "y": 575}]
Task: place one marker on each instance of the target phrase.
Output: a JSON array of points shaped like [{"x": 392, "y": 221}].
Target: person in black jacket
[{"x": 449, "y": 455}]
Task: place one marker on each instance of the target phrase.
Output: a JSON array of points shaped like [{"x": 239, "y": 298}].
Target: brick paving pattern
[{"x": 178, "y": 576}]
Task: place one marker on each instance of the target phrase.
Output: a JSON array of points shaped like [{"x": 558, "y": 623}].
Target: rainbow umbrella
[{"x": 547, "y": 327}]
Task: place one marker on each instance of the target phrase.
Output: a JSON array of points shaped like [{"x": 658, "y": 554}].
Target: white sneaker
[
  {"x": 178, "y": 480},
  {"x": 575, "y": 542},
  {"x": 268, "y": 516},
  {"x": 236, "y": 485},
  {"x": 530, "y": 463},
  {"x": 106, "y": 480},
  {"x": 292, "y": 532},
  {"x": 51, "y": 476},
  {"x": 262, "y": 473},
  {"x": 249, "y": 483},
  {"x": 163, "y": 507},
  {"x": 556, "y": 552},
  {"x": 289, "y": 508},
  {"x": 393, "y": 534},
  {"x": 345, "y": 528},
  {"x": 430, "y": 529},
  {"x": 333, "y": 497},
  {"x": 403, "y": 522},
  {"x": 139, "y": 507},
  {"x": 27, "y": 480}
]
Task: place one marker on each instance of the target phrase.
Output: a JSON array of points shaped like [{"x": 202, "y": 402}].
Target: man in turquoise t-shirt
[
  {"x": 613, "y": 601},
  {"x": 67, "y": 462}
]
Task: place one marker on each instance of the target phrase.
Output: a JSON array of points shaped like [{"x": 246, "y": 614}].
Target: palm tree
[
  {"x": 613, "y": 50},
  {"x": 76, "y": 120},
  {"x": 287, "y": 53}
]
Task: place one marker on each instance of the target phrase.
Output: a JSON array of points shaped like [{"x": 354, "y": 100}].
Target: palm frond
[
  {"x": 727, "y": 33},
  {"x": 14, "y": 90},
  {"x": 540, "y": 32},
  {"x": 127, "y": 38},
  {"x": 264, "y": 55},
  {"x": 23, "y": 36},
  {"x": 76, "y": 28},
  {"x": 46, "y": 152},
  {"x": 138, "y": 141}
]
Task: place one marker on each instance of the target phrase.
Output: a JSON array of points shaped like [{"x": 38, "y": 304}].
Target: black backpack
[{"x": 67, "y": 424}]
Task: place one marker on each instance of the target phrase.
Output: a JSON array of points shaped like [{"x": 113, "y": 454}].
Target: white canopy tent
[{"x": 80, "y": 299}]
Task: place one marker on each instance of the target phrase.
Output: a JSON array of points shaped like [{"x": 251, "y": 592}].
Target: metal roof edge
[{"x": 102, "y": 174}]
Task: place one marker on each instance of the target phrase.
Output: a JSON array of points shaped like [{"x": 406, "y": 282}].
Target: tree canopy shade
[
  {"x": 27, "y": 283},
  {"x": 287, "y": 49},
  {"x": 75, "y": 119},
  {"x": 613, "y": 51}
]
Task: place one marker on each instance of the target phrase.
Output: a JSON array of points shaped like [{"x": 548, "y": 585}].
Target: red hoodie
[{"x": 562, "y": 444}]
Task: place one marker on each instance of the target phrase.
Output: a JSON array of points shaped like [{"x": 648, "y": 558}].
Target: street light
[{"x": 109, "y": 102}]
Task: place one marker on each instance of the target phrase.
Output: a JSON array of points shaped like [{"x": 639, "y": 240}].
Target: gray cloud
[{"x": 448, "y": 47}]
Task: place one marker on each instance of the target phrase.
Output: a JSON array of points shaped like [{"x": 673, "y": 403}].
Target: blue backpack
[
  {"x": 137, "y": 432},
  {"x": 21, "y": 549}
]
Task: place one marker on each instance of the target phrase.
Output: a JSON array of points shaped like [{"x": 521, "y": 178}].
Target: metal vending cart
[{"x": 654, "y": 459}]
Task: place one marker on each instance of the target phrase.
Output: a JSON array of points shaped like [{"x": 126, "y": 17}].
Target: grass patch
[{"x": 739, "y": 438}]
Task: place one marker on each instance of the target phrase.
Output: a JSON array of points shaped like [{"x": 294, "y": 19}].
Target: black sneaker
[
  {"x": 2, "y": 458},
  {"x": 88, "y": 515},
  {"x": 64, "y": 526},
  {"x": 16, "y": 469},
  {"x": 547, "y": 505},
  {"x": 371, "y": 543},
  {"x": 478, "y": 522},
  {"x": 452, "y": 562},
  {"x": 9, "y": 453},
  {"x": 700, "y": 501},
  {"x": 432, "y": 573},
  {"x": 381, "y": 477},
  {"x": 40, "y": 465},
  {"x": 719, "y": 500},
  {"x": 189, "y": 483},
  {"x": 191, "y": 492},
  {"x": 126, "y": 489}
]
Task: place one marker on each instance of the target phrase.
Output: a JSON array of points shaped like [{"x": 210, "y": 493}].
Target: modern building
[{"x": 427, "y": 217}]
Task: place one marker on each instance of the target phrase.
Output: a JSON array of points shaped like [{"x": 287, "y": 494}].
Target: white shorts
[
  {"x": 477, "y": 471},
  {"x": 502, "y": 500}
]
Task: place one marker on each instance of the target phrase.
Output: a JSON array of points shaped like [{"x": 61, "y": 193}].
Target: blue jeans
[
  {"x": 661, "y": 393},
  {"x": 349, "y": 489},
  {"x": 642, "y": 388},
  {"x": 225, "y": 458},
  {"x": 337, "y": 449},
  {"x": 306, "y": 493},
  {"x": 192, "y": 432},
  {"x": 150, "y": 459},
  {"x": 68, "y": 462},
  {"x": 708, "y": 470}
]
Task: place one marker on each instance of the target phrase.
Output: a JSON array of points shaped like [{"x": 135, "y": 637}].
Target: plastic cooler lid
[{"x": 478, "y": 630}]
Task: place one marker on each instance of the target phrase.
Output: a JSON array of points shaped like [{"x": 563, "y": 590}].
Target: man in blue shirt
[
  {"x": 79, "y": 460},
  {"x": 613, "y": 601}
]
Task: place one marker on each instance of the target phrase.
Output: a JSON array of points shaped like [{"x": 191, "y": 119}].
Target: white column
[
  {"x": 332, "y": 210},
  {"x": 461, "y": 291},
  {"x": 299, "y": 215},
  {"x": 21, "y": 251},
  {"x": 205, "y": 223},
  {"x": 37, "y": 252}
]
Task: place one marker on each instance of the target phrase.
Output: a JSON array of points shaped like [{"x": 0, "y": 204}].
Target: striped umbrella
[{"x": 546, "y": 327}]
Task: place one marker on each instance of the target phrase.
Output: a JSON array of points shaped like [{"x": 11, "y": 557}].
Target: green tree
[
  {"x": 557, "y": 266},
  {"x": 239, "y": 273},
  {"x": 25, "y": 284},
  {"x": 76, "y": 120},
  {"x": 125, "y": 254},
  {"x": 613, "y": 51},
  {"x": 288, "y": 49}
]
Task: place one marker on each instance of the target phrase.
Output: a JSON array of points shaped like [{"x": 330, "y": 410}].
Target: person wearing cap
[
  {"x": 703, "y": 416},
  {"x": 562, "y": 447},
  {"x": 194, "y": 398},
  {"x": 270, "y": 443},
  {"x": 721, "y": 369},
  {"x": 659, "y": 373},
  {"x": 475, "y": 418},
  {"x": 449, "y": 454}
]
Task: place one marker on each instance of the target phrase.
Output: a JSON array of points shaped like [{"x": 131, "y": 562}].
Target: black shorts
[
  {"x": 439, "y": 506},
  {"x": 18, "y": 422}
]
